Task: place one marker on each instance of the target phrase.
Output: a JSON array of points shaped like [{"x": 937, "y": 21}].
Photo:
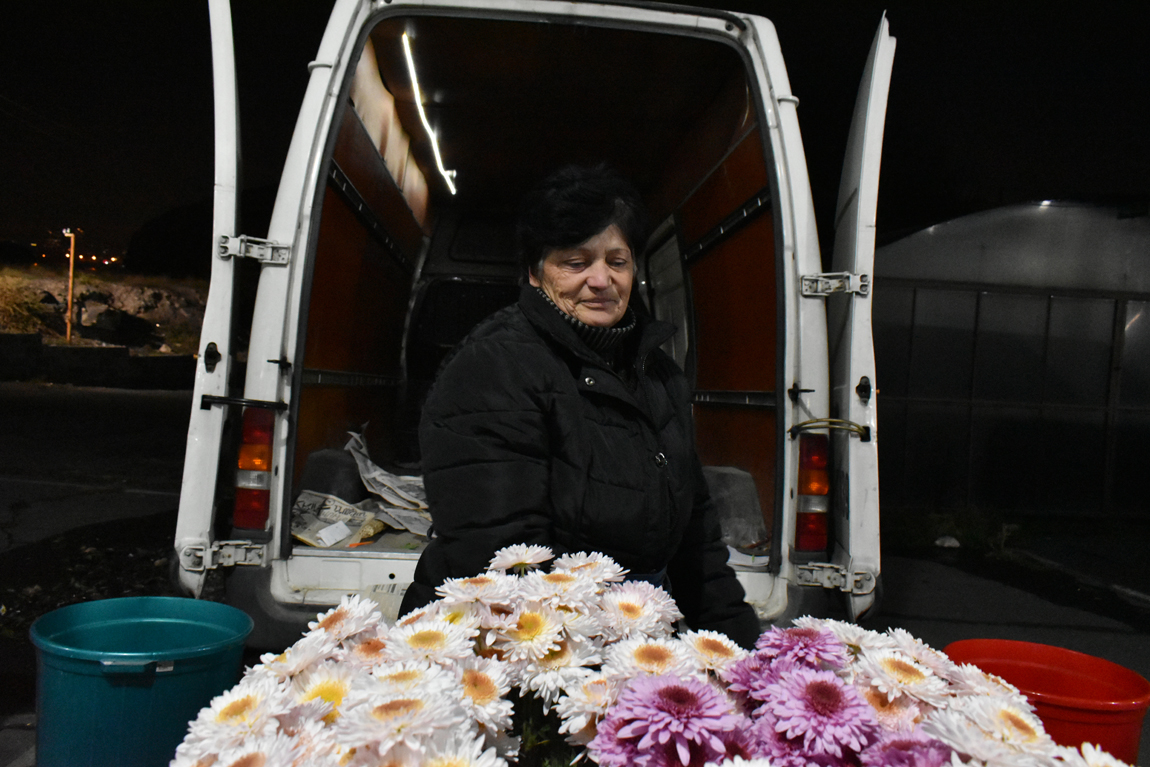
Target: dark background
[{"x": 106, "y": 111}]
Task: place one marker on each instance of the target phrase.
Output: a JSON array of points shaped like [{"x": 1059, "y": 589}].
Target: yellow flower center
[
  {"x": 903, "y": 671},
  {"x": 429, "y": 639},
  {"x": 1017, "y": 724},
  {"x": 559, "y": 579},
  {"x": 477, "y": 581},
  {"x": 250, "y": 760},
  {"x": 557, "y": 658},
  {"x": 331, "y": 690},
  {"x": 447, "y": 761},
  {"x": 403, "y": 677},
  {"x": 333, "y": 620},
  {"x": 237, "y": 711},
  {"x": 630, "y": 610},
  {"x": 530, "y": 626},
  {"x": 394, "y": 709},
  {"x": 653, "y": 656},
  {"x": 479, "y": 687},
  {"x": 370, "y": 648},
  {"x": 713, "y": 648}
]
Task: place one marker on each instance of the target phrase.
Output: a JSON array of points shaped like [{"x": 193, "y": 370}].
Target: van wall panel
[
  {"x": 357, "y": 157},
  {"x": 733, "y": 286},
  {"x": 327, "y": 413},
  {"x": 358, "y": 298},
  {"x": 743, "y": 438},
  {"x": 741, "y": 174}
]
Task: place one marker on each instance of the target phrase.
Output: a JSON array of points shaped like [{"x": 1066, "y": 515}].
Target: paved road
[{"x": 71, "y": 456}]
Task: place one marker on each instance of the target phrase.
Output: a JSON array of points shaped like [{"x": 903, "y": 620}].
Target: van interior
[{"x": 402, "y": 266}]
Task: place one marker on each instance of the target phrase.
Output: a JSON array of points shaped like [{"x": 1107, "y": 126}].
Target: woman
[{"x": 559, "y": 421}]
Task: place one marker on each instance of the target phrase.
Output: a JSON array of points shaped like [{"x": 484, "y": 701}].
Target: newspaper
[
  {"x": 405, "y": 492},
  {"x": 317, "y": 518}
]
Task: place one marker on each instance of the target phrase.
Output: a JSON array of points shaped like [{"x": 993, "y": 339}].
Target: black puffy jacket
[{"x": 529, "y": 437}]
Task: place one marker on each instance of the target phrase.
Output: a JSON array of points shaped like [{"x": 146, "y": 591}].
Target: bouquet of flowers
[{"x": 596, "y": 656}]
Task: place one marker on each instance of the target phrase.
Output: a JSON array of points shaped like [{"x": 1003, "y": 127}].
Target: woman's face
[{"x": 591, "y": 281}]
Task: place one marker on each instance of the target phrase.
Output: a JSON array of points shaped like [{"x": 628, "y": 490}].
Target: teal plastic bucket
[{"x": 119, "y": 679}]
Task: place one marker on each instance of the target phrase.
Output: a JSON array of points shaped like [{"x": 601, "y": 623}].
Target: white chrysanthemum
[
  {"x": 530, "y": 632},
  {"x": 711, "y": 650},
  {"x": 433, "y": 640},
  {"x": 491, "y": 588},
  {"x": 636, "y": 608},
  {"x": 855, "y": 637},
  {"x": 1094, "y": 756},
  {"x": 309, "y": 651},
  {"x": 598, "y": 567},
  {"x": 274, "y": 749},
  {"x": 992, "y": 731},
  {"x": 560, "y": 589},
  {"x": 366, "y": 649},
  {"x": 331, "y": 682},
  {"x": 894, "y": 714},
  {"x": 352, "y": 615},
  {"x": 485, "y": 684},
  {"x": 585, "y": 703},
  {"x": 470, "y": 616},
  {"x": 520, "y": 557},
  {"x": 245, "y": 711},
  {"x": 456, "y": 749},
  {"x": 739, "y": 761},
  {"x": 415, "y": 675},
  {"x": 895, "y": 674},
  {"x": 382, "y": 722},
  {"x": 563, "y": 667},
  {"x": 969, "y": 679},
  {"x": 648, "y": 656},
  {"x": 303, "y": 717},
  {"x": 922, "y": 653}
]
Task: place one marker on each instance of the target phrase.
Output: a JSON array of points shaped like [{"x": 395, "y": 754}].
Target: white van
[{"x": 422, "y": 124}]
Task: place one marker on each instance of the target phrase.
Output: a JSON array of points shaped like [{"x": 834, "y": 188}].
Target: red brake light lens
[
  {"x": 814, "y": 451},
  {"x": 253, "y": 475}
]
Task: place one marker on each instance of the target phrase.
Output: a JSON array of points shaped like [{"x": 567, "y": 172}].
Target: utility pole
[{"x": 71, "y": 271}]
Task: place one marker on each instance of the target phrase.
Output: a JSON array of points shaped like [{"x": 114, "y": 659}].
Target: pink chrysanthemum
[
  {"x": 909, "y": 750},
  {"x": 752, "y": 678},
  {"x": 825, "y": 714},
  {"x": 806, "y": 646},
  {"x": 666, "y": 720}
]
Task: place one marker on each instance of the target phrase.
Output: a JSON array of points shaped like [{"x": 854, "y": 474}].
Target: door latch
[
  {"x": 197, "y": 558},
  {"x": 821, "y": 285},
  {"x": 264, "y": 251},
  {"x": 831, "y": 576}
]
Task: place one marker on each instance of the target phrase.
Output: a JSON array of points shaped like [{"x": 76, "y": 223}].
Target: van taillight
[
  {"x": 253, "y": 475},
  {"x": 814, "y": 486}
]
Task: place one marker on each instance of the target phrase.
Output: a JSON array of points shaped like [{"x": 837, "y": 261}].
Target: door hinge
[
  {"x": 268, "y": 252},
  {"x": 197, "y": 558},
  {"x": 834, "y": 577},
  {"x": 816, "y": 285}
]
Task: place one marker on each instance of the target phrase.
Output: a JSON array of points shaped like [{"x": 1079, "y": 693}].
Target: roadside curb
[
  {"x": 24, "y": 357},
  {"x": 1133, "y": 597}
]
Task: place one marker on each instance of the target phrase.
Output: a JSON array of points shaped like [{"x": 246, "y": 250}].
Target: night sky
[{"x": 105, "y": 108}]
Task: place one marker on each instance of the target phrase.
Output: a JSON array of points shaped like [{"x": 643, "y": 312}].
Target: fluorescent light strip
[{"x": 448, "y": 175}]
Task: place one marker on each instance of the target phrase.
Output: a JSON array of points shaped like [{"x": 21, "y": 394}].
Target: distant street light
[{"x": 71, "y": 270}]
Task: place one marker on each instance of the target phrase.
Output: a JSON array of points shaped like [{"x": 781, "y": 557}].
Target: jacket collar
[{"x": 545, "y": 318}]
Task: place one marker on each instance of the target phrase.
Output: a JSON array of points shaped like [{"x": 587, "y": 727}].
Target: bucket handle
[{"x": 136, "y": 667}]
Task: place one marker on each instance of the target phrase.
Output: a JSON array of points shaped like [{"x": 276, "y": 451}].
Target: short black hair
[{"x": 574, "y": 204}]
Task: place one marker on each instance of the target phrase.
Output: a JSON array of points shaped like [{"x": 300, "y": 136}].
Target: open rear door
[
  {"x": 201, "y": 461},
  {"x": 855, "y": 506}
]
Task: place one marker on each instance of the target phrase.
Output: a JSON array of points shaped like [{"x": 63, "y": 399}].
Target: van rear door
[
  {"x": 193, "y": 542},
  {"x": 854, "y": 506}
]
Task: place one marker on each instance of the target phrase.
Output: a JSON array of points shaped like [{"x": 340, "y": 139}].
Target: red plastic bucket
[{"x": 1080, "y": 698}]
